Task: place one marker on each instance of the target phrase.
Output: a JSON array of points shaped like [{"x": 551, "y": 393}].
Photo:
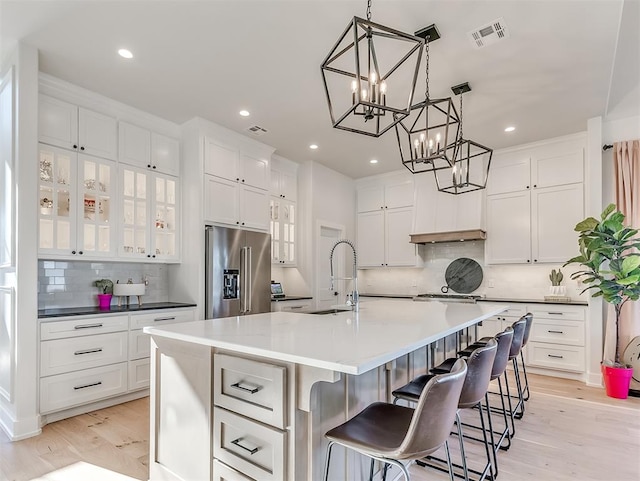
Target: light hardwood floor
[{"x": 569, "y": 432}]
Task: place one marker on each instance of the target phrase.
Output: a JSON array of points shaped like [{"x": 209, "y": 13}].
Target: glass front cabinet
[
  {"x": 149, "y": 215},
  {"x": 76, "y": 204},
  {"x": 283, "y": 232}
]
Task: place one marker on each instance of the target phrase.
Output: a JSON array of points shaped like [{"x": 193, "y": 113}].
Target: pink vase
[
  {"x": 616, "y": 381},
  {"x": 104, "y": 301}
]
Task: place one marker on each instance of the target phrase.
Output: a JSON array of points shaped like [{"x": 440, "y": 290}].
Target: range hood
[{"x": 451, "y": 236}]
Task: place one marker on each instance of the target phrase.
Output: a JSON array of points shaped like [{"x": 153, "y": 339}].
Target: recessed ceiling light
[
  {"x": 123, "y": 52},
  {"x": 313, "y": 146},
  {"x": 244, "y": 113},
  {"x": 510, "y": 129},
  {"x": 373, "y": 161}
]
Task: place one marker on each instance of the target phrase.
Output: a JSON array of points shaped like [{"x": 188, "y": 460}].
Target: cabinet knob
[
  {"x": 237, "y": 179},
  {"x": 535, "y": 185},
  {"x": 528, "y": 260},
  {"x": 527, "y": 187},
  {"x": 148, "y": 255},
  {"x": 81, "y": 148},
  {"x": 238, "y": 223},
  {"x": 154, "y": 256},
  {"x": 80, "y": 252},
  {"x": 148, "y": 166},
  {"x": 73, "y": 252},
  {"x": 535, "y": 260},
  {"x": 243, "y": 223},
  {"x": 243, "y": 181},
  {"x": 382, "y": 207},
  {"x": 154, "y": 167},
  {"x": 75, "y": 146}
]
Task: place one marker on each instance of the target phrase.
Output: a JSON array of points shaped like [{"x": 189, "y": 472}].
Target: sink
[{"x": 329, "y": 311}]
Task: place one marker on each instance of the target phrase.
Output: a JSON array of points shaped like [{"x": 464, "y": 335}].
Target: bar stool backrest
[
  {"x": 518, "y": 335},
  {"x": 527, "y": 330},
  {"x": 476, "y": 383},
  {"x": 504, "y": 340},
  {"x": 434, "y": 414}
]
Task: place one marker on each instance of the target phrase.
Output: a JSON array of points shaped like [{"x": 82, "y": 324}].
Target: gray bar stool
[
  {"x": 391, "y": 434},
  {"x": 525, "y": 338},
  {"x": 479, "y": 367}
]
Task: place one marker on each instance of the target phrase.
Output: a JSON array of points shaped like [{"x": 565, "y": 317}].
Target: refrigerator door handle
[
  {"x": 243, "y": 280},
  {"x": 248, "y": 280}
]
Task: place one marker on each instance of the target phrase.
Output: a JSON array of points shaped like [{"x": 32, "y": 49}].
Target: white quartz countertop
[{"x": 348, "y": 342}]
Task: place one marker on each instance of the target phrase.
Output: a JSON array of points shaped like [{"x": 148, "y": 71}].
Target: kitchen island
[{"x": 251, "y": 397}]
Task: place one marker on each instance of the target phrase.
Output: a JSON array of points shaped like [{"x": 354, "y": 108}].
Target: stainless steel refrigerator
[{"x": 238, "y": 272}]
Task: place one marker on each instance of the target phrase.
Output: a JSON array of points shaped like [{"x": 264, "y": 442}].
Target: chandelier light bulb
[
  {"x": 383, "y": 87},
  {"x": 373, "y": 78},
  {"x": 365, "y": 95},
  {"x": 354, "y": 86}
]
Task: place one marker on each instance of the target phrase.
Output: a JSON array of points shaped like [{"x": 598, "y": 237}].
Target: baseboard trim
[
  {"x": 17, "y": 430},
  {"x": 87, "y": 408},
  {"x": 594, "y": 379}
]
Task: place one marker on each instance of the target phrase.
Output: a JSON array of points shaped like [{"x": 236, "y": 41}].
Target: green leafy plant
[
  {"x": 556, "y": 277},
  {"x": 608, "y": 252},
  {"x": 105, "y": 285}
]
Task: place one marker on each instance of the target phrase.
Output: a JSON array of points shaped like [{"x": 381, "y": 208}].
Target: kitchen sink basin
[{"x": 329, "y": 311}]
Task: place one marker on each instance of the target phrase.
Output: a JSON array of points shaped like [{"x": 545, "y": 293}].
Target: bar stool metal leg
[{"x": 526, "y": 393}]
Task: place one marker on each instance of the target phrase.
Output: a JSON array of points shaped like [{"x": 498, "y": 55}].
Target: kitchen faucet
[{"x": 352, "y": 298}]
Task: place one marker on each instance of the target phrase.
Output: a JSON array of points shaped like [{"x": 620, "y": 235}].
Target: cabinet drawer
[
  {"x": 250, "y": 447},
  {"x": 139, "y": 374},
  {"x": 222, "y": 472},
  {"x": 71, "y": 389},
  {"x": 290, "y": 306},
  {"x": 565, "y": 358},
  {"x": 555, "y": 332},
  {"x": 572, "y": 313},
  {"x": 75, "y": 353},
  {"x": 252, "y": 388},
  {"x": 82, "y": 327},
  {"x": 165, "y": 316}
]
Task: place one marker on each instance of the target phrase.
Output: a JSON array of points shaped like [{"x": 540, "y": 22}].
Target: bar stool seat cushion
[
  {"x": 412, "y": 390},
  {"x": 445, "y": 366},
  {"x": 379, "y": 429}
]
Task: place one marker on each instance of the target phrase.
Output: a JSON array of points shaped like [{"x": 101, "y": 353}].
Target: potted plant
[
  {"x": 106, "y": 287},
  {"x": 612, "y": 270}
]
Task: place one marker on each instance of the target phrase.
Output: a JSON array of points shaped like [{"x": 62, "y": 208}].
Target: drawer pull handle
[
  {"x": 555, "y": 313},
  {"x": 249, "y": 388},
  {"x": 296, "y": 307},
  {"x": 249, "y": 450},
  {"x": 555, "y": 332},
  {"x": 173, "y": 318},
  {"x": 555, "y": 357},
  {"x": 87, "y": 326},
  {"x": 87, "y": 351},
  {"x": 88, "y": 385}
]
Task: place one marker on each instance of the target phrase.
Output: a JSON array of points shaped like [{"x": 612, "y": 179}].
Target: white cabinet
[
  {"x": 75, "y": 128},
  {"x": 535, "y": 199},
  {"x": 142, "y": 148},
  {"x": 228, "y": 202},
  {"x": 87, "y": 359},
  {"x": 236, "y": 187},
  {"x": 76, "y": 211},
  {"x": 150, "y": 215},
  {"x": 283, "y": 226},
  {"x": 441, "y": 212},
  {"x": 284, "y": 184},
  {"x": 385, "y": 221}
]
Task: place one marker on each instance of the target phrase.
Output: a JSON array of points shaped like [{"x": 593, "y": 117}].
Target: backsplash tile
[
  {"x": 70, "y": 283},
  {"x": 508, "y": 281}
]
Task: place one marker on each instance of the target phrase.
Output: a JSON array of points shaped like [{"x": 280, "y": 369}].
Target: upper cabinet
[
  {"x": 534, "y": 200},
  {"x": 236, "y": 186},
  {"x": 145, "y": 149},
  {"x": 75, "y": 128},
  {"x": 283, "y": 221},
  {"x": 76, "y": 204},
  {"x": 284, "y": 184},
  {"x": 385, "y": 218}
]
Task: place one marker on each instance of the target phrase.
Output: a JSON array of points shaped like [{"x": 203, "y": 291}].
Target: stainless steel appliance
[{"x": 238, "y": 272}]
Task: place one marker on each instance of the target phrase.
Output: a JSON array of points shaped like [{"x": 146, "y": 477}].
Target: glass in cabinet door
[
  {"x": 164, "y": 223},
  {"x": 274, "y": 223},
  {"x": 96, "y": 185},
  {"x": 288, "y": 234},
  {"x": 57, "y": 200},
  {"x": 134, "y": 213}
]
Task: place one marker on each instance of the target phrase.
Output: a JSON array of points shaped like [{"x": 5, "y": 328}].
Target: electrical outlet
[{"x": 491, "y": 283}]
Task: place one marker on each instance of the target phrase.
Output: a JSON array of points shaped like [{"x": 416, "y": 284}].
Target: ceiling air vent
[
  {"x": 256, "y": 130},
  {"x": 489, "y": 33}
]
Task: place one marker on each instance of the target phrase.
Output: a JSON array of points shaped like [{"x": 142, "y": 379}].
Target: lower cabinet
[
  {"x": 88, "y": 359},
  {"x": 249, "y": 419},
  {"x": 300, "y": 305},
  {"x": 557, "y": 339}
]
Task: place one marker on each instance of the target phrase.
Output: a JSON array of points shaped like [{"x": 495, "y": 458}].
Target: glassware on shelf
[{"x": 46, "y": 173}]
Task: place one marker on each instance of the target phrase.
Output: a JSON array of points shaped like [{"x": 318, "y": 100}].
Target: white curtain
[{"x": 626, "y": 165}]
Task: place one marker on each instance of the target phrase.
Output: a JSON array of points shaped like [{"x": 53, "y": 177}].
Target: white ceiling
[{"x": 213, "y": 58}]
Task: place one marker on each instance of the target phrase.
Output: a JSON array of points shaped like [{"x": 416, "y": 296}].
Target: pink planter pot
[
  {"x": 104, "y": 301},
  {"x": 616, "y": 381}
]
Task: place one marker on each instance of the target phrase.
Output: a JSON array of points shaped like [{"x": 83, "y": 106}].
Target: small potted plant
[
  {"x": 557, "y": 290},
  {"x": 106, "y": 289},
  {"x": 608, "y": 252}
]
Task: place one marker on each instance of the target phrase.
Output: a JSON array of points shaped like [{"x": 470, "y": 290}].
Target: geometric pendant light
[
  {"x": 370, "y": 76},
  {"x": 471, "y": 161},
  {"x": 427, "y": 136}
]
